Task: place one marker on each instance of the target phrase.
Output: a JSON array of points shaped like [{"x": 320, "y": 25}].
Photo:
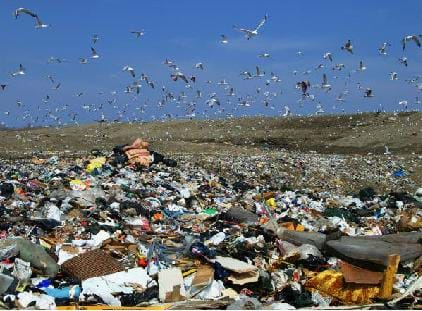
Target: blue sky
[{"x": 188, "y": 32}]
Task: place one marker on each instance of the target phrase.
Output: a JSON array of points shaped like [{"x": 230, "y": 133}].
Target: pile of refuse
[{"x": 94, "y": 231}]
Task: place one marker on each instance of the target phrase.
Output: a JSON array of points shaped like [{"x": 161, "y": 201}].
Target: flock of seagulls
[{"x": 199, "y": 93}]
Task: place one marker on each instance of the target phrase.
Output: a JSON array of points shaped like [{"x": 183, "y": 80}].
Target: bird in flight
[
  {"x": 249, "y": 34},
  {"x": 348, "y": 47},
  {"x": 19, "y": 72},
  {"x": 139, "y": 33},
  {"x": 415, "y": 38},
  {"x": 224, "y": 39}
]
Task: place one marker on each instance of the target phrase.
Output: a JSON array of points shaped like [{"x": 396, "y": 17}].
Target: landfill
[{"x": 100, "y": 231}]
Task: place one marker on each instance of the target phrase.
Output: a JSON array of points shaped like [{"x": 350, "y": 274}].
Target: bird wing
[
  {"x": 94, "y": 52},
  {"x": 324, "y": 78},
  {"x": 417, "y": 41},
  {"x": 257, "y": 71},
  {"x": 24, "y": 11},
  {"x": 262, "y": 22}
]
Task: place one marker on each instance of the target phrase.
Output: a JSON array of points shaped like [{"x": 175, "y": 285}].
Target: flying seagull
[
  {"x": 415, "y": 38},
  {"x": 19, "y": 72},
  {"x": 3, "y": 86},
  {"x": 94, "y": 53},
  {"x": 179, "y": 75},
  {"x": 348, "y": 47},
  {"x": 130, "y": 70},
  {"x": 224, "y": 39},
  {"x": 199, "y": 66},
  {"x": 139, "y": 33},
  {"x": 362, "y": 67},
  {"x": 252, "y": 33},
  {"x": 325, "y": 85},
  {"x": 383, "y": 49},
  {"x": 368, "y": 93},
  {"x": 328, "y": 56}
]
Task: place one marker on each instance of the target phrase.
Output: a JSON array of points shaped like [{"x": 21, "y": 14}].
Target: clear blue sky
[{"x": 188, "y": 32}]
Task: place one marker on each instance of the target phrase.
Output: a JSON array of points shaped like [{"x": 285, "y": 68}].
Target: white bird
[
  {"x": 383, "y": 49},
  {"x": 403, "y": 60},
  {"x": 264, "y": 55},
  {"x": 130, "y": 70},
  {"x": 259, "y": 73},
  {"x": 325, "y": 86},
  {"x": 179, "y": 75},
  {"x": 139, "y": 33},
  {"x": 328, "y": 56},
  {"x": 393, "y": 76},
  {"x": 287, "y": 111},
  {"x": 19, "y": 72},
  {"x": 224, "y": 39},
  {"x": 199, "y": 66},
  {"x": 231, "y": 92},
  {"x": 348, "y": 47},
  {"x": 252, "y": 33},
  {"x": 404, "y": 103},
  {"x": 409, "y": 38},
  {"x": 362, "y": 67},
  {"x": 386, "y": 152},
  {"x": 94, "y": 53}
]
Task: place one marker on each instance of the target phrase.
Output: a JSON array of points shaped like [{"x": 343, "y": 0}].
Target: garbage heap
[{"x": 97, "y": 231}]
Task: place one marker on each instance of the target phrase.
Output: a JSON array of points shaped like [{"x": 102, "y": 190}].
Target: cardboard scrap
[
  {"x": 357, "y": 275},
  {"x": 170, "y": 285},
  {"x": 235, "y": 264},
  {"x": 244, "y": 278},
  {"x": 203, "y": 277}
]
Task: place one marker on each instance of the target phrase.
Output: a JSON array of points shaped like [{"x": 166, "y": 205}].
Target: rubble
[{"x": 94, "y": 231}]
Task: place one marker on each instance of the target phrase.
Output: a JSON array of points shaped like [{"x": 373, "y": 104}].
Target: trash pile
[{"x": 105, "y": 231}]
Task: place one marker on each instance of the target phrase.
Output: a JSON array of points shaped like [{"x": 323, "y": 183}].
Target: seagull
[
  {"x": 348, "y": 47},
  {"x": 3, "y": 86},
  {"x": 393, "y": 76},
  {"x": 94, "y": 53},
  {"x": 56, "y": 87},
  {"x": 231, "y": 92},
  {"x": 223, "y": 82},
  {"x": 386, "y": 152},
  {"x": 299, "y": 53},
  {"x": 199, "y": 66},
  {"x": 224, "y": 39},
  {"x": 179, "y": 75},
  {"x": 83, "y": 60},
  {"x": 130, "y": 70},
  {"x": 20, "y": 72},
  {"x": 252, "y": 33},
  {"x": 403, "y": 60},
  {"x": 368, "y": 93},
  {"x": 303, "y": 85},
  {"x": 139, "y": 33},
  {"x": 264, "y": 55},
  {"x": 383, "y": 49},
  {"x": 287, "y": 111},
  {"x": 259, "y": 73},
  {"x": 328, "y": 56},
  {"x": 325, "y": 86},
  {"x": 409, "y": 38},
  {"x": 403, "y": 102},
  {"x": 362, "y": 67},
  {"x": 94, "y": 39}
]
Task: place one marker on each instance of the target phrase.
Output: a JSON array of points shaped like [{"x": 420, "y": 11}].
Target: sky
[{"x": 188, "y": 32}]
